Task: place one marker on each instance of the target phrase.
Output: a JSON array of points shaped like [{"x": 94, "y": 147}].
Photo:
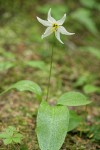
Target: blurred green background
[
  {"x": 21, "y": 43},
  {"x": 24, "y": 55}
]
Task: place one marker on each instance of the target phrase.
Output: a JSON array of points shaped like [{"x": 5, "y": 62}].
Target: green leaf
[
  {"x": 94, "y": 51},
  {"x": 18, "y": 135},
  {"x": 84, "y": 16},
  {"x": 10, "y": 128},
  {"x": 6, "y": 65},
  {"x": 8, "y": 132},
  {"x": 91, "y": 89},
  {"x": 7, "y": 141},
  {"x": 52, "y": 126},
  {"x": 74, "y": 120},
  {"x": 84, "y": 79},
  {"x": 89, "y": 3},
  {"x": 4, "y": 135},
  {"x": 73, "y": 99},
  {"x": 37, "y": 64},
  {"x": 16, "y": 139},
  {"x": 81, "y": 81},
  {"x": 26, "y": 85},
  {"x": 8, "y": 55},
  {"x": 11, "y": 135}
]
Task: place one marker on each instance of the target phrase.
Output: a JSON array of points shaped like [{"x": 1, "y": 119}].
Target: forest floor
[{"x": 73, "y": 68}]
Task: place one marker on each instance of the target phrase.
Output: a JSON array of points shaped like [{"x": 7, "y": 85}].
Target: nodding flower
[{"x": 54, "y": 26}]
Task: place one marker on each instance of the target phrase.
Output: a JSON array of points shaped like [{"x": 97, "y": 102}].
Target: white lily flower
[{"x": 54, "y": 26}]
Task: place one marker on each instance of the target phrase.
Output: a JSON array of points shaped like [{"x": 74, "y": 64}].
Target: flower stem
[{"x": 48, "y": 88}]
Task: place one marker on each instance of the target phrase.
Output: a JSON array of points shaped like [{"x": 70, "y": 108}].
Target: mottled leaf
[
  {"x": 26, "y": 85},
  {"x": 74, "y": 120},
  {"x": 73, "y": 99},
  {"x": 52, "y": 126}
]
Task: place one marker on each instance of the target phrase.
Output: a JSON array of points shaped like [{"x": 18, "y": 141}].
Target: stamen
[{"x": 55, "y": 27}]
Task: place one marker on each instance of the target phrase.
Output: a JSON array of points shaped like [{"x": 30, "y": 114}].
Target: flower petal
[
  {"x": 47, "y": 32},
  {"x": 57, "y": 34},
  {"x": 44, "y": 22},
  {"x": 50, "y": 19},
  {"x": 62, "y": 30},
  {"x": 62, "y": 20}
]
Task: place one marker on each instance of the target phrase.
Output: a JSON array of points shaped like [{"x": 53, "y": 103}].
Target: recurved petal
[
  {"x": 47, "y": 32},
  {"x": 44, "y": 22},
  {"x": 62, "y": 30},
  {"x": 57, "y": 34},
  {"x": 62, "y": 20},
  {"x": 50, "y": 19}
]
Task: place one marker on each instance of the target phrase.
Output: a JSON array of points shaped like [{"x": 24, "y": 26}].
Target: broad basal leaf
[
  {"x": 74, "y": 120},
  {"x": 26, "y": 85},
  {"x": 52, "y": 126},
  {"x": 73, "y": 99}
]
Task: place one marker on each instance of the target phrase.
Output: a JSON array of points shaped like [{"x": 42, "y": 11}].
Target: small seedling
[{"x": 11, "y": 136}]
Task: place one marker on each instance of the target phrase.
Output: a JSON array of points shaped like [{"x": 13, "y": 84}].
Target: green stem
[{"x": 48, "y": 88}]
